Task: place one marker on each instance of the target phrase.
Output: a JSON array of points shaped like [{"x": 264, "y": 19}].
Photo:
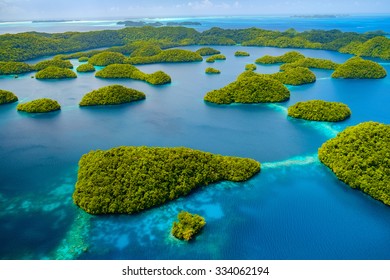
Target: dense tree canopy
[
  {"x": 207, "y": 51},
  {"x": 11, "y": 67},
  {"x": 53, "y": 62},
  {"x": 210, "y": 70},
  {"x": 288, "y": 57},
  {"x": 360, "y": 157},
  {"x": 7, "y": 97},
  {"x": 133, "y": 179},
  {"x": 53, "y": 72},
  {"x": 188, "y": 226},
  {"x": 215, "y": 57},
  {"x": 241, "y": 53},
  {"x": 358, "y": 68},
  {"x": 251, "y": 67},
  {"x": 86, "y": 67},
  {"x": 107, "y": 58},
  {"x": 174, "y": 55},
  {"x": 43, "y": 105},
  {"x": 310, "y": 62},
  {"x": 111, "y": 95},
  {"x": 319, "y": 110}
]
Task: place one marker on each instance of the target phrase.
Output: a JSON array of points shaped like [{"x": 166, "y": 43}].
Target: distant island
[
  {"x": 131, "y": 179},
  {"x": 319, "y": 16},
  {"x": 130, "y": 23},
  {"x": 42, "y": 105},
  {"x": 183, "y": 23},
  {"x": 111, "y": 95},
  {"x": 319, "y": 110},
  {"x": 188, "y": 226}
]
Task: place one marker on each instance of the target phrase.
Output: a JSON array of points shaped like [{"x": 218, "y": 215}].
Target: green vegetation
[
  {"x": 53, "y": 62},
  {"x": 107, "y": 58},
  {"x": 310, "y": 62},
  {"x": 319, "y": 110},
  {"x": 111, "y": 95},
  {"x": 145, "y": 49},
  {"x": 360, "y": 157},
  {"x": 375, "y": 47},
  {"x": 207, "y": 51},
  {"x": 53, "y": 72},
  {"x": 250, "y": 89},
  {"x": 43, "y": 105},
  {"x": 241, "y": 53},
  {"x": 174, "y": 55},
  {"x": 86, "y": 67},
  {"x": 83, "y": 59},
  {"x": 288, "y": 57},
  {"x": 210, "y": 70},
  {"x": 358, "y": 68},
  {"x": 7, "y": 97},
  {"x": 215, "y": 57},
  {"x": 251, "y": 67},
  {"x": 189, "y": 225},
  {"x": 132, "y": 179},
  {"x": 127, "y": 71},
  {"x": 11, "y": 67}
]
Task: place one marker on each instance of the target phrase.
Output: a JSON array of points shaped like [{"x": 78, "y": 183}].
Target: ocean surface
[{"x": 294, "y": 209}]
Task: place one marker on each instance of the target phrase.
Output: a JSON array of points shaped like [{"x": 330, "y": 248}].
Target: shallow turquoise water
[{"x": 294, "y": 209}]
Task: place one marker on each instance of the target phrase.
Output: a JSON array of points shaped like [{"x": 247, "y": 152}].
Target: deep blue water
[{"x": 294, "y": 209}]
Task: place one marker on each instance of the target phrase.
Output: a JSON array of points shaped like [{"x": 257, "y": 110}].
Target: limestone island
[
  {"x": 359, "y": 156},
  {"x": 251, "y": 67},
  {"x": 167, "y": 56},
  {"x": 210, "y": 70},
  {"x": 319, "y": 110},
  {"x": 107, "y": 58},
  {"x": 207, "y": 51},
  {"x": 7, "y": 97},
  {"x": 359, "y": 68},
  {"x": 127, "y": 71},
  {"x": 13, "y": 67},
  {"x": 310, "y": 62},
  {"x": 241, "y": 53},
  {"x": 53, "y": 62},
  {"x": 288, "y": 57},
  {"x": 53, "y": 72},
  {"x": 86, "y": 67},
  {"x": 188, "y": 226},
  {"x": 250, "y": 89},
  {"x": 111, "y": 95},
  {"x": 43, "y": 105},
  {"x": 131, "y": 179},
  {"x": 215, "y": 57}
]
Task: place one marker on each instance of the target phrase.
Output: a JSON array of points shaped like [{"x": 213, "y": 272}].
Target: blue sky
[{"x": 79, "y": 9}]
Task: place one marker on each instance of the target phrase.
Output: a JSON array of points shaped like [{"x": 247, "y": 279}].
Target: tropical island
[
  {"x": 7, "y": 97},
  {"x": 53, "y": 62},
  {"x": 107, "y": 58},
  {"x": 210, "y": 70},
  {"x": 127, "y": 71},
  {"x": 53, "y": 72},
  {"x": 250, "y": 67},
  {"x": 250, "y": 89},
  {"x": 86, "y": 67},
  {"x": 319, "y": 110},
  {"x": 167, "y": 56},
  {"x": 207, "y": 51},
  {"x": 288, "y": 57},
  {"x": 12, "y": 67},
  {"x": 359, "y": 156},
  {"x": 215, "y": 57},
  {"x": 241, "y": 53},
  {"x": 359, "y": 68},
  {"x": 188, "y": 226},
  {"x": 111, "y": 95},
  {"x": 42, "y": 105},
  {"x": 131, "y": 179},
  {"x": 310, "y": 62}
]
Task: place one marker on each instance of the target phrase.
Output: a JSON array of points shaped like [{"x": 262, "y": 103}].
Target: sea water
[{"x": 294, "y": 209}]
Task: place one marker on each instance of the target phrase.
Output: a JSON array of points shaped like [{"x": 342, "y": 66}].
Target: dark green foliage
[
  {"x": 188, "y": 227},
  {"x": 250, "y": 89},
  {"x": 53, "y": 62},
  {"x": 107, "y": 58},
  {"x": 174, "y": 55},
  {"x": 127, "y": 71},
  {"x": 53, "y": 72},
  {"x": 375, "y": 47},
  {"x": 215, "y": 57},
  {"x": 241, "y": 53},
  {"x": 251, "y": 67},
  {"x": 207, "y": 51},
  {"x": 11, "y": 67},
  {"x": 111, "y": 95},
  {"x": 288, "y": 57},
  {"x": 358, "y": 68},
  {"x": 319, "y": 110},
  {"x": 86, "y": 67},
  {"x": 132, "y": 179},
  {"x": 360, "y": 157},
  {"x": 7, "y": 97},
  {"x": 310, "y": 62},
  {"x": 145, "y": 49},
  {"x": 83, "y": 59},
  {"x": 43, "y": 105},
  {"x": 210, "y": 70}
]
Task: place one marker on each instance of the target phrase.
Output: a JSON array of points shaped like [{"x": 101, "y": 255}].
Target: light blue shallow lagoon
[{"x": 294, "y": 209}]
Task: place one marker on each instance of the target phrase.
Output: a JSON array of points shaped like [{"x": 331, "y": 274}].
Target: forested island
[
  {"x": 241, "y": 53},
  {"x": 359, "y": 156},
  {"x": 111, "y": 95},
  {"x": 7, "y": 97},
  {"x": 127, "y": 71},
  {"x": 28, "y": 45},
  {"x": 130, "y": 179},
  {"x": 53, "y": 62},
  {"x": 207, "y": 51},
  {"x": 86, "y": 67},
  {"x": 188, "y": 226},
  {"x": 251, "y": 67},
  {"x": 42, "y": 105},
  {"x": 13, "y": 67},
  {"x": 319, "y": 110},
  {"x": 210, "y": 70},
  {"x": 288, "y": 57},
  {"x": 53, "y": 72},
  {"x": 107, "y": 58},
  {"x": 174, "y": 55},
  {"x": 215, "y": 57},
  {"x": 359, "y": 68}
]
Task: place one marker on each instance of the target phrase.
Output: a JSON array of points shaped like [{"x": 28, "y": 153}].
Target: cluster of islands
[{"x": 126, "y": 180}]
